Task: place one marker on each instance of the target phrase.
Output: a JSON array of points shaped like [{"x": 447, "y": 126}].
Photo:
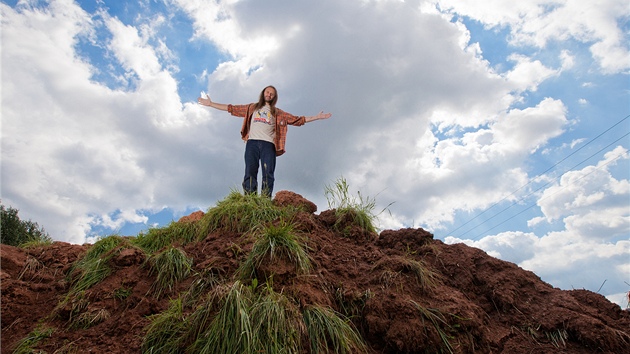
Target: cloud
[
  {"x": 592, "y": 202},
  {"x": 74, "y": 150},
  {"x": 537, "y": 23}
]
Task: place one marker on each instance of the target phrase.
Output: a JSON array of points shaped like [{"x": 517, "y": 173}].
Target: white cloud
[
  {"x": 591, "y": 193},
  {"x": 73, "y": 150},
  {"x": 513, "y": 246},
  {"x": 539, "y": 22},
  {"x": 528, "y": 74}
]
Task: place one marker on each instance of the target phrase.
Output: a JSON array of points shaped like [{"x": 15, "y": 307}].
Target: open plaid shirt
[{"x": 283, "y": 120}]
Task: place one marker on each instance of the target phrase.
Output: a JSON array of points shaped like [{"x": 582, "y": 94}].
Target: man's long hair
[{"x": 261, "y": 100}]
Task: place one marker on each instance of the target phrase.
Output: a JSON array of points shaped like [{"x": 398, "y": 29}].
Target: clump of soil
[{"x": 404, "y": 291}]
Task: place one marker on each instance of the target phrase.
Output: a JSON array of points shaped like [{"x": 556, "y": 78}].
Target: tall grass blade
[
  {"x": 328, "y": 331},
  {"x": 171, "y": 266},
  {"x": 156, "y": 239},
  {"x": 230, "y": 330},
  {"x": 277, "y": 325},
  {"x": 240, "y": 213},
  {"x": 276, "y": 241},
  {"x": 166, "y": 330},
  {"x": 27, "y": 344}
]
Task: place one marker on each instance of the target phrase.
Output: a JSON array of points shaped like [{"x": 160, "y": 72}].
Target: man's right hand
[{"x": 204, "y": 99}]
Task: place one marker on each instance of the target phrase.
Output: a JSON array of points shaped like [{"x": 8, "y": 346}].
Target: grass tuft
[
  {"x": 237, "y": 318},
  {"x": 89, "y": 318},
  {"x": 165, "y": 331},
  {"x": 558, "y": 337},
  {"x": 92, "y": 273},
  {"x": 37, "y": 243},
  {"x": 27, "y": 344},
  {"x": 241, "y": 213},
  {"x": 32, "y": 268},
  {"x": 359, "y": 210},
  {"x": 202, "y": 283},
  {"x": 93, "y": 267},
  {"x": 172, "y": 266},
  {"x": 352, "y": 304},
  {"x": 156, "y": 239},
  {"x": 122, "y": 293},
  {"x": 426, "y": 278},
  {"x": 272, "y": 241},
  {"x": 327, "y": 331},
  {"x": 230, "y": 330},
  {"x": 276, "y": 324}
]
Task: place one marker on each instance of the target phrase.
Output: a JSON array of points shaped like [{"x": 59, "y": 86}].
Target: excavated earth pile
[{"x": 403, "y": 291}]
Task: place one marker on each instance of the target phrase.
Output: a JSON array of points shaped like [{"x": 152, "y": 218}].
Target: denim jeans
[{"x": 259, "y": 152}]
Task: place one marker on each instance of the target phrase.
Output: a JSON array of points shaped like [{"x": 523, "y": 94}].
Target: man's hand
[
  {"x": 320, "y": 115},
  {"x": 205, "y": 100}
]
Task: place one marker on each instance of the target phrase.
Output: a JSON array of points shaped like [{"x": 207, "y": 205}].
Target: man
[{"x": 265, "y": 132}]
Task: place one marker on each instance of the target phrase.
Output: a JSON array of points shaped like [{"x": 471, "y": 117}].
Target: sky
[{"x": 503, "y": 125}]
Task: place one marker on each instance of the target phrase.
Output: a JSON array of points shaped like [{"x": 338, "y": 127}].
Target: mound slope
[{"x": 403, "y": 290}]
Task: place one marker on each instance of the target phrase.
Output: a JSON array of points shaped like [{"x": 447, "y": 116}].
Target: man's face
[{"x": 270, "y": 93}]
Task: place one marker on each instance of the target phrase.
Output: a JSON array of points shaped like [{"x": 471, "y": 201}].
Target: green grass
[
  {"x": 275, "y": 241},
  {"x": 27, "y": 344},
  {"x": 166, "y": 330},
  {"x": 241, "y": 213},
  {"x": 156, "y": 239},
  {"x": 352, "y": 305},
  {"x": 202, "y": 284},
  {"x": 276, "y": 324},
  {"x": 122, "y": 293},
  {"x": 171, "y": 266},
  {"x": 328, "y": 331},
  {"x": 102, "y": 247},
  {"x": 93, "y": 267},
  {"x": 88, "y": 319},
  {"x": 37, "y": 243},
  {"x": 236, "y": 318},
  {"x": 359, "y": 210},
  {"x": 230, "y": 330},
  {"x": 92, "y": 273},
  {"x": 73, "y": 305}
]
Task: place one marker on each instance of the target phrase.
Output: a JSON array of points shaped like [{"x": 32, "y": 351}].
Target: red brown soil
[{"x": 487, "y": 305}]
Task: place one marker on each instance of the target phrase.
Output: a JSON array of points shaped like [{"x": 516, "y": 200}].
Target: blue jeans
[{"x": 259, "y": 152}]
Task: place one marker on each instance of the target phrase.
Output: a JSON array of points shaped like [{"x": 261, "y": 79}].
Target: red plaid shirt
[{"x": 283, "y": 120}]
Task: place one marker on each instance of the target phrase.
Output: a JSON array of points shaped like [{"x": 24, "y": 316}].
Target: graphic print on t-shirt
[
  {"x": 262, "y": 116},
  {"x": 262, "y": 125}
]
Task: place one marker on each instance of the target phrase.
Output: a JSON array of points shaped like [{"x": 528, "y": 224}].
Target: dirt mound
[{"x": 404, "y": 291}]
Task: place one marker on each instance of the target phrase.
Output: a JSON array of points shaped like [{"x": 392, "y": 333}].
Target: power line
[
  {"x": 546, "y": 184},
  {"x": 532, "y": 180},
  {"x": 534, "y": 204}
]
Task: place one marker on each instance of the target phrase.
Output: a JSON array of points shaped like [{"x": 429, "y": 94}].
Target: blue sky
[{"x": 445, "y": 108}]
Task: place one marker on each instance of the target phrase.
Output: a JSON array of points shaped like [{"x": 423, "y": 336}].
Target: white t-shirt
[{"x": 263, "y": 125}]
